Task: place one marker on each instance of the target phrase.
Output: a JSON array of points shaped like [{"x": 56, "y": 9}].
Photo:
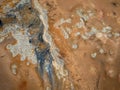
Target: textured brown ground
[
  {"x": 88, "y": 73},
  {"x": 85, "y": 72}
]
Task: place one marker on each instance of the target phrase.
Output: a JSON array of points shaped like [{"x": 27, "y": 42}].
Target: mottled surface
[
  {"x": 59, "y": 45},
  {"x": 88, "y": 36}
]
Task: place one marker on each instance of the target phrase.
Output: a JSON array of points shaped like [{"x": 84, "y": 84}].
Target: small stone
[
  {"x": 117, "y": 34},
  {"x": 65, "y": 33},
  {"x": 48, "y": 88},
  {"x": 106, "y": 29},
  {"x": 14, "y": 69},
  {"x": 28, "y": 63},
  {"x": 72, "y": 87},
  {"x": 93, "y": 55},
  {"x": 77, "y": 34},
  {"x": 84, "y": 37},
  {"x": 93, "y": 31},
  {"x": 99, "y": 35},
  {"x": 79, "y": 25},
  {"x": 2, "y": 39},
  {"x": 101, "y": 51},
  {"x": 74, "y": 46}
]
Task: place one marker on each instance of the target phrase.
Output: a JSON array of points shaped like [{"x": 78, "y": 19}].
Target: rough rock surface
[{"x": 60, "y": 45}]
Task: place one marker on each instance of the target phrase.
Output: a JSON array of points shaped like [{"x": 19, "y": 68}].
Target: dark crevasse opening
[{"x": 1, "y": 23}]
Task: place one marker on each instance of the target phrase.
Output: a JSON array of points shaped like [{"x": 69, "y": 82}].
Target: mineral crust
[{"x": 59, "y": 45}]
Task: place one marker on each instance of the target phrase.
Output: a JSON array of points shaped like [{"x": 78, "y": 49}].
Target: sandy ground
[{"x": 88, "y": 41}]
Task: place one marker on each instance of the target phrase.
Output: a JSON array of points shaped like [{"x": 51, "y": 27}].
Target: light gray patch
[
  {"x": 101, "y": 51},
  {"x": 14, "y": 69},
  {"x": 93, "y": 55},
  {"x": 74, "y": 46}
]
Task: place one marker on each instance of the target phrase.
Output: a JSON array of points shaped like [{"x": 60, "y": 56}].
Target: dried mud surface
[{"x": 60, "y": 45}]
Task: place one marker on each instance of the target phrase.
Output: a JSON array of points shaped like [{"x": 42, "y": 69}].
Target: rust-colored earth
[{"x": 87, "y": 34}]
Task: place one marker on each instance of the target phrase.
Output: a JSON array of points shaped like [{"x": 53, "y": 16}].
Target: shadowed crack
[{"x": 1, "y": 23}]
